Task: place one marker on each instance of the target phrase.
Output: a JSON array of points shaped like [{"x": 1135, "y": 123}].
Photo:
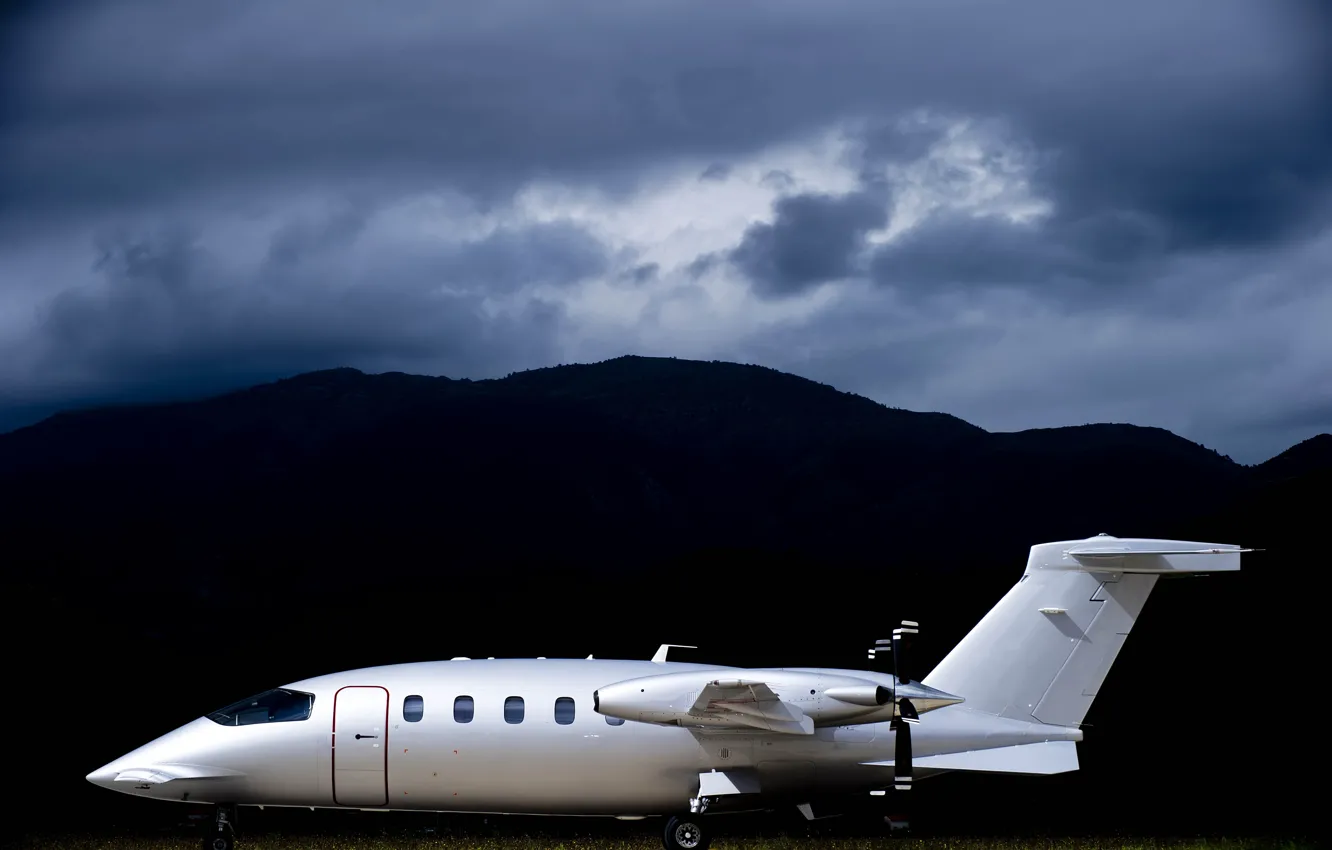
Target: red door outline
[{"x": 334, "y": 742}]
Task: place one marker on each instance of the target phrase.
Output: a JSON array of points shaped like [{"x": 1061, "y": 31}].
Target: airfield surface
[{"x": 650, "y": 841}]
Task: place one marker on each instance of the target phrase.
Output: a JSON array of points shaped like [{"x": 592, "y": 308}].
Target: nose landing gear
[{"x": 221, "y": 833}]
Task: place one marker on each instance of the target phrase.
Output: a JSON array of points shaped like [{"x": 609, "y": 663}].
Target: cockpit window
[{"x": 275, "y": 706}]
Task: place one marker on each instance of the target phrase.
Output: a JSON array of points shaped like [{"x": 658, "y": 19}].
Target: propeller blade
[
  {"x": 878, "y": 653},
  {"x": 902, "y": 758},
  {"x": 907, "y": 711},
  {"x": 901, "y": 638}
]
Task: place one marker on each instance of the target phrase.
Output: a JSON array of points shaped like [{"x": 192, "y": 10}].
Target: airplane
[{"x": 633, "y": 739}]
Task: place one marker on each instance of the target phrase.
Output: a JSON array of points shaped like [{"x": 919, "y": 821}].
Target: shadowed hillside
[
  {"x": 1311, "y": 455},
  {"x": 172, "y": 558},
  {"x": 633, "y": 461}
]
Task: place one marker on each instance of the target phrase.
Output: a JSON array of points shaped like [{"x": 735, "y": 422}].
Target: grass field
[{"x": 650, "y": 841}]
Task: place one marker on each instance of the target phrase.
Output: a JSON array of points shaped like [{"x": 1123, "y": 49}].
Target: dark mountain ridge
[
  {"x": 722, "y": 453},
  {"x": 1303, "y": 458},
  {"x": 634, "y": 461}
]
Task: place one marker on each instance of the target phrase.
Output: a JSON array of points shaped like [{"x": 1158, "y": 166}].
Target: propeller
[{"x": 906, "y": 714}]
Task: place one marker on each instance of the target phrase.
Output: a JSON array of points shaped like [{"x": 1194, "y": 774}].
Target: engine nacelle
[
  {"x": 868, "y": 694},
  {"x": 826, "y": 698}
]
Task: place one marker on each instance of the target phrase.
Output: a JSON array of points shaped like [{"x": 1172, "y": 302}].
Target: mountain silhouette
[
  {"x": 337, "y": 519},
  {"x": 634, "y": 460},
  {"x": 1311, "y": 455}
]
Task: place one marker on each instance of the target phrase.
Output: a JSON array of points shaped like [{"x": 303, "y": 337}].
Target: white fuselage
[{"x": 369, "y": 743}]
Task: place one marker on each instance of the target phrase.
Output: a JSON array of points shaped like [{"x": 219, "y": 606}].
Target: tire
[
  {"x": 685, "y": 832},
  {"x": 219, "y": 842}
]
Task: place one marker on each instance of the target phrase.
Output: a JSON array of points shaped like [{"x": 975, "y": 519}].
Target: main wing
[
  {"x": 1035, "y": 759},
  {"x": 752, "y": 704}
]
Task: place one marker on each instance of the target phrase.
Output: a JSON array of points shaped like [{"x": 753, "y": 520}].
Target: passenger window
[
  {"x": 615, "y": 721},
  {"x": 463, "y": 709},
  {"x": 413, "y": 708},
  {"x": 513, "y": 710},
  {"x": 276, "y": 706},
  {"x": 564, "y": 711}
]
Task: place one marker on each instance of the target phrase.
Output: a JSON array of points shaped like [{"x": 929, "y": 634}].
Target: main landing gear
[
  {"x": 221, "y": 833},
  {"x": 685, "y": 832},
  {"x": 897, "y": 825}
]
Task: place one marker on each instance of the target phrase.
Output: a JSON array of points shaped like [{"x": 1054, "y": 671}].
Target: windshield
[{"x": 275, "y": 706}]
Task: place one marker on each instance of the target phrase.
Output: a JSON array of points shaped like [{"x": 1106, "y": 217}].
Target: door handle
[{"x": 359, "y": 736}]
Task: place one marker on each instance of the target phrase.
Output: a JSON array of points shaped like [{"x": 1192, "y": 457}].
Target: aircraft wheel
[
  {"x": 219, "y": 842},
  {"x": 685, "y": 833}
]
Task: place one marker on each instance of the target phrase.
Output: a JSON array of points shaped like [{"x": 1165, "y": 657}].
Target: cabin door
[{"x": 360, "y": 746}]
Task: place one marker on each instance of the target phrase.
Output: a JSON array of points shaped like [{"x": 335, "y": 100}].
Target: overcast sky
[{"x": 1027, "y": 214}]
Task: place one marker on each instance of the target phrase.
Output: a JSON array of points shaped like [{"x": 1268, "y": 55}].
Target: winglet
[{"x": 660, "y": 657}]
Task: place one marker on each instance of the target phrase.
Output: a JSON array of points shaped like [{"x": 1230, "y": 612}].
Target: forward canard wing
[
  {"x": 160, "y": 774},
  {"x": 751, "y": 704}
]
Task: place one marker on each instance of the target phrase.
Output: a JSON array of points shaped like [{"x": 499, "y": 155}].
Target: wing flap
[{"x": 752, "y": 704}]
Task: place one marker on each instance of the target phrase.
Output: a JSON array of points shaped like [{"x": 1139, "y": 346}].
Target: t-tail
[{"x": 1042, "y": 653}]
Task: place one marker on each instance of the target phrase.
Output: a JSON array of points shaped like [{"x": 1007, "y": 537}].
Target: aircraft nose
[{"x": 103, "y": 776}]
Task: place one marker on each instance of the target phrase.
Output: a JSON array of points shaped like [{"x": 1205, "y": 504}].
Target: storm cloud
[
  {"x": 812, "y": 239},
  {"x": 1025, "y": 213}
]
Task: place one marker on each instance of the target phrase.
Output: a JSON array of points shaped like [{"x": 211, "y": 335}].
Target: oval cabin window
[
  {"x": 513, "y": 710},
  {"x": 463, "y": 709},
  {"x": 564, "y": 711},
  {"x": 413, "y": 708}
]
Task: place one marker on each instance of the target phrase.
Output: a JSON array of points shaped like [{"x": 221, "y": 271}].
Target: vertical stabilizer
[{"x": 1043, "y": 651}]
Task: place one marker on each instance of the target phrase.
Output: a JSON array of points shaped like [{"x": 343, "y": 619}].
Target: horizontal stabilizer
[
  {"x": 158, "y": 774},
  {"x": 1039, "y": 759},
  {"x": 1115, "y": 552},
  {"x": 1147, "y": 555}
]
